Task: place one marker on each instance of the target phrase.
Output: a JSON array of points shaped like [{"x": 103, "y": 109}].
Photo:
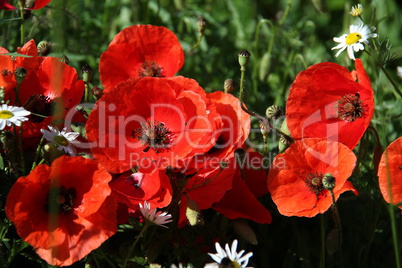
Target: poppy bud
[
  {"x": 64, "y": 59},
  {"x": 264, "y": 129},
  {"x": 229, "y": 85},
  {"x": 51, "y": 152},
  {"x": 201, "y": 23},
  {"x": 328, "y": 181},
  {"x": 20, "y": 74},
  {"x": 193, "y": 213},
  {"x": 244, "y": 58},
  {"x": 86, "y": 73},
  {"x": 265, "y": 66},
  {"x": 97, "y": 92},
  {"x": 273, "y": 112},
  {"x": 44, "y": 48}
]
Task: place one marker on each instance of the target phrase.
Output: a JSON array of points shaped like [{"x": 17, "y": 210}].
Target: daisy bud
[
  {"x": 193, "y": 213},
  {"x": 273, "y": 112},
  {"x": 328, "y": 181},
  {"x": 44, "y": 48},
  {"x": 244, "y": 58},
  {"x": 356, "y": 11},
  {"x": 201, "y": 23},
  {"x": 86, "y": 73},
  {"x": 20, "y": 74},
  {"x": 64, "y": 59},
  {"x": 229, "y": 85}
]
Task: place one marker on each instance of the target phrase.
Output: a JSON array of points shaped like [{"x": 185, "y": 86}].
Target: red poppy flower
[
  {"x": 37, "y": 4},
  {"x": 390, "y": 173},
  {"x": 204, "y": 188},
  {"x": 51, "y": 88},
  {"x": 138, "y": 51},
  {"x": 326, "y": 101},
  {"x": 241, "y": 201},
  {"x": 150, "y": 123},
  {"x": 62, "y": 211},
  {"x": 134, "y": 188},
  {"x": 232, "y": 130},
  {"x": 295, "y": 178}
]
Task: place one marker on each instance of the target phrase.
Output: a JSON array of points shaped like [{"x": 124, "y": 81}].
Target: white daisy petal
[
  {"x": 358, "y": 35},
  {"x": 159, "y": 218},
  {"x": 12, "y": 115},
  {"x": 62, "y": 139},
  {"x": 230, "y": 252}
]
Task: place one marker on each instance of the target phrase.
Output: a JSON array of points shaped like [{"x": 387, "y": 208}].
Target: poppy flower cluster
[
  {"x": 327, "y": 112},
  {"x": 156, "y": 141}
]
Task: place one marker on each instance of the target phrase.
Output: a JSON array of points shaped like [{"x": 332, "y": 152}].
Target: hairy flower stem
[
  {"x": 382, "y": 67},
  {"x": 18, "y": 135},
  {"x": 22, "y": 26},
  {"x": 37, "y": 153},
  {"x": 263, "y": 120},
  {"x": 130, "y": 250},
  {"x": 337, "y": 220}
]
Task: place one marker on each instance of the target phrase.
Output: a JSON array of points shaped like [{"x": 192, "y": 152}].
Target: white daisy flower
[
  {"x": 399, "y": 71},
  {"x": 229, "y": 256},
  {"x": 356, "y": 11},
  {"x": 62, "y": 139},
  {"x": 12, "y": 115},
  {"x": 159, "y": 218},
  {"x": 359, "y": 35}
]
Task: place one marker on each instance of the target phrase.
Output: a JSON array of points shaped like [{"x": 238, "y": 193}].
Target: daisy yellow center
[
  {"x": 228, "y": 263},
  {"x": 61, "y": 140},
  {"x": 353, "y": 38},
  {"x": 6, "y": 114}
]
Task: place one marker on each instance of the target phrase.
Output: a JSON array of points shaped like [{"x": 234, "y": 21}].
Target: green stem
[
  {"x": 37, "y": 153},
  {"x": 322, "y": 228},
  {"x": 337, "y": 220},
  {"x": 18, "y": 135},
  {"x": 130, "y": 250},
  {"x": 285, "y": 14},
  {"x": 198, "y": 42},
  {"x": 22, "y": 27}
]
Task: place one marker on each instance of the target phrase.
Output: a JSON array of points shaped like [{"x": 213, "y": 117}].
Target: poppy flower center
[
  {"x": 314, "y": 183},
  {"x": 6, "y": 114},
  {"x": 150, "y": 68},
  {"x": 39, "y": 104},
  {"x": 228, "y": 263},
  {"x": 60, "y": 200},
  {"x": 219, "y": 144},
  {"x": 61, "y": 140},
  {"x": 5, "y": 72},
  {"x": 353, "y": 38},
  {"x": 350, "y": 107},
  {"x": 155, "y": 135}
]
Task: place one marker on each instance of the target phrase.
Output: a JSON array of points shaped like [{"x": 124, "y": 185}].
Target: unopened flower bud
[
  {"x": 86, "y": 73},
  {"x": 2, "y": 94},
  {"x": 244, "y": 58},
  {"x": 264, "y": 129},
  {"x": 328, "y": 181},
  {"x": 229, "y": 85},
  {"x": 273, "y": 112},
  {"x": 20, "y": 74},
  {"x": 64, "y": 59},
  {"x": 97, "y": 92},
  {"x": 193, "y": 213},
  {"x": 201, "y": 23},
  {"x": 44, "y": 48},
  {"x": 51, "y": 152}
]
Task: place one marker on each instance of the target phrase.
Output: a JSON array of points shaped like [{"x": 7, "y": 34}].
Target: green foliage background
[{"x": 282, "y": 42}]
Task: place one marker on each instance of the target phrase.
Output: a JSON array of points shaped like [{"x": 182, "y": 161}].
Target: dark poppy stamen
[
  {"x": 5, "y": 72},
  {"x": 150, "y": 68},
  {"x": 350, "y": 107},
  {"x": 156, "y": 136},
  {"x": 314, "y": 183},
  {"x": 60, "y": 200},
  {"x": 219, "y": 144},
  {"x": 39, "y": 104}
]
